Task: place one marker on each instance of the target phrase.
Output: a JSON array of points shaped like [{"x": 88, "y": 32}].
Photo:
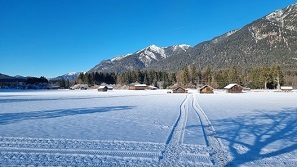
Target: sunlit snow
[{"x": 147, "y": 128}]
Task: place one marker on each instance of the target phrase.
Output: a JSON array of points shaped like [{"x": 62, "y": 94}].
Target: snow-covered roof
[
  {"x": 179, "y": 88},
  {"x": 287, "y": 87},
  {"x": 230, "y": 86},
  {"x": 101, "y": 87},
  {"x": 140, "y": 85},
  {"x": 152, "y": 87},
  {"x": 205, "y": 86}
]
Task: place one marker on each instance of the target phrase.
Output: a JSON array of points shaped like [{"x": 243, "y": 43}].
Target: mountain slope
[
  {"x": 141, "y": 59},
  {"x": 70, "y": 76},
  {"x": 7, "y": 78},
  {"x": 267, "y": 41}
]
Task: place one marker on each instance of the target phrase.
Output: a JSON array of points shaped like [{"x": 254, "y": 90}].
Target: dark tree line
[
  {"x": 96, "y": 78},
  {"x": 255, "y": 78},
  {"x": 35, "y": 80},
  {"x": 147, "y": 77}
]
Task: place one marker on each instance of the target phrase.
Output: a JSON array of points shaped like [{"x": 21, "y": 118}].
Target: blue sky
[{"x": 53, "y": 37}]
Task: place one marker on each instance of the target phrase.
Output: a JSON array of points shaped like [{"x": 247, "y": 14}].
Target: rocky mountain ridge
[
  {"x": 270, "y": 40},
  {"x": 141, "y": 59}
]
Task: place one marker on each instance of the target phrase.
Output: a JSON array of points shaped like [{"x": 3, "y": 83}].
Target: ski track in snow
[{"x": 16, "y": 151}]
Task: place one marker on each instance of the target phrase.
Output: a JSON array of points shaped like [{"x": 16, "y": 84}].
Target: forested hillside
[{"x": 255, "y": 78}]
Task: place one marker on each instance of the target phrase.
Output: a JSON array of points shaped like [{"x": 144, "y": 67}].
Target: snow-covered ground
[
  {"x": 256, "y": 128},
  {"x": 147, "y": 128}
]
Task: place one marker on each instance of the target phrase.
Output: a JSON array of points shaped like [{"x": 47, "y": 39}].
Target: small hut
[
  {"x": 137, "y": 86},
  {"x": 179, "y": 90},
  {"x": 102, "y": 89},
  {"x": 233, "y": 88},
  {"x": 206, "y": 89},
  {"x": 286, "y": 88}
]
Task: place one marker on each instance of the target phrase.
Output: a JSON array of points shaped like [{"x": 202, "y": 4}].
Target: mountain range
[
  {"x": 7, "y": 78},
  {"x": 70, "y": 76},
  {"x": 141, "y": 59},
  {"x": 270, "y": 40}
]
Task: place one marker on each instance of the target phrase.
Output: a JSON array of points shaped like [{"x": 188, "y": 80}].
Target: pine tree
[
  {"x": 233, "y": 75},
  {"x": 185, "y": 76},
  {"x": 278, "y": 76},
  {"x": 206, "y": 76},
  {"x": 194, "y": 75},
  {"x": 67, "y": 84}
]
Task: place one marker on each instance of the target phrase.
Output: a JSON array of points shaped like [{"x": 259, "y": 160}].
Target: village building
[
  {"x": 286, "y": 88},
  {"x": 206, "y": 89},
  {"x": 102, "y": 89},
  {"x": 179, "y": 90},
  {"x": 137, "y": 86},
  {"x": 233, "y": 88}
]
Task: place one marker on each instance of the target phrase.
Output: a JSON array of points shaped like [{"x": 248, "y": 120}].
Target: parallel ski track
[
  {"x": 46, "y": 159},
  {"x": 171, "y": 153},
  {"x": 178, "y": 154},
  {"x": 218, "y": 153},
  {"x": 153, "y": 155},
  {"x": 79, "y": 144},
  {"x": 55, "y": 152}
]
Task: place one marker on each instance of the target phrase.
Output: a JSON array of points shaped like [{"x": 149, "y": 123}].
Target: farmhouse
[
  {"x": 102, "y": 89},
  {"x": 233, "y": 88},
  {"x": 206, "y": 89},
  {"x": 286, "y": 88},
  {"x": 179, "y": 90},
  {"x": 137, "y": 86}
]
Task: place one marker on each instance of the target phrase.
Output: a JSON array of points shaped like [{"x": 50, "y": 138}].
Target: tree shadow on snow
[
  {"x": 9, "y": 118},
  {"x": 258, "y": 136}
]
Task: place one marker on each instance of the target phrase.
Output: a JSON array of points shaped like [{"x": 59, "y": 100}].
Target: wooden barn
[
  {"x": 206, "y": 89},
  {"x": 102, "y": 89},
  {"x": 179, "y": 90},
  {"x": 233, "y": 88},
  {"x": 137, "y": 86}
]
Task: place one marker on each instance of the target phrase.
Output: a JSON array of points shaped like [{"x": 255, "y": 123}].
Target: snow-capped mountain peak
[
  {"x": 182, "y": 46},
  {"x": 140, "y": 59},
  {"x": 118, "y": 58},
  {"x": 151, "y": 53},
  {"x": 72, "y": 73},
  {"x": 276, "y": 15},
  {"x": 155, "y": 48}
]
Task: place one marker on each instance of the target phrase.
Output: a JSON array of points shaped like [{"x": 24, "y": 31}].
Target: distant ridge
[
  {"x": 7, "y": 78},
  {"x": 70, "y": 76}
]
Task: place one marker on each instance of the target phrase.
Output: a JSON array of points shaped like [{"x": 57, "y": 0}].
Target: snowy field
[{"x": 147, "y": 128}]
